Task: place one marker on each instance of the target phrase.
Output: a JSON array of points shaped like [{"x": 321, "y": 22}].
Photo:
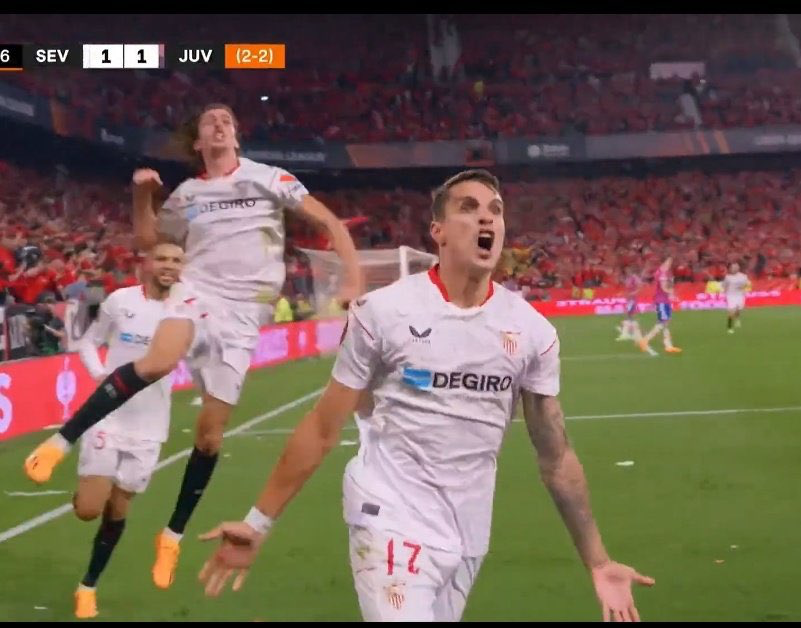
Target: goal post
[{"x": 380, "y": 267}]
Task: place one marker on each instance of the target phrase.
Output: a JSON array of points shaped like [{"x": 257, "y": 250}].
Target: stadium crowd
[
  {"x": 439, "y": 77},
  {"x": 61, "y": 236},
  {"x": 455, "y": 77}
]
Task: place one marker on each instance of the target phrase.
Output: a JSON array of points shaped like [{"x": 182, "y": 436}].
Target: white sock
[
  {"x": 650, "y": 335},
  {"x": 83, "y": 587},
  {"x": 173, "y": 535},
  {"x": 667, "y": 339},
  {"x": 59, "y": 441}
]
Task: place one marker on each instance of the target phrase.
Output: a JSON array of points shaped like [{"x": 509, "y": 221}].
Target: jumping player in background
[
  {"x": 117, "y": 457},
  {"x": 231, "y": 219},
  {"x": 418, "y": 496},
  {"x": 735, "y": 286},
  {"x": 663, "y": 295}
]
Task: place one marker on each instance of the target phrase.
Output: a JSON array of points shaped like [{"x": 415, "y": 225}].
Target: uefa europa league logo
[{"x": 66, "y": 385}]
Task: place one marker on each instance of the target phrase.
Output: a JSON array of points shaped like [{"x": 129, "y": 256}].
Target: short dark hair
[
  {"x": 164, "y": 238},
  {"x": 440, "y": 196}
]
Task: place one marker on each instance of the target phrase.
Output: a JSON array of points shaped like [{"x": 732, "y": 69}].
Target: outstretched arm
[
  {"x": 327, "y": 222},
  {"x": 312, "y": 439},
  {"x": 358, "y": 357},
  {"x": 564, "y": 478},
  {"x": 563, "y": 475},
  {"x": 145, "y": 183}
]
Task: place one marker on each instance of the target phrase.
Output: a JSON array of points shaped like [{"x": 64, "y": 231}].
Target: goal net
[{"x": 380, "y": 267}]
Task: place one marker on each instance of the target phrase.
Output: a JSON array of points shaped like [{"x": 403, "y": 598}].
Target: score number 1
[
  {"x": 144, "y": 56},
  {"x": 129, "y": 56},
  {"x": 107, "y": 60}
]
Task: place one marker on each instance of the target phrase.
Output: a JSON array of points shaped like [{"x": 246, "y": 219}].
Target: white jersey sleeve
[
  {"x": 541, "y": 373},
  {"x": 170, "y": 219},
  {"x": 96, "y": 336},
  {"x": 127, "y": 324},
  {"x": 284, "y": 187},
  {"x": 360, "y": 352}
]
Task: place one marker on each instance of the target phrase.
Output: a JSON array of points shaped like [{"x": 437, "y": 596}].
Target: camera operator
[
  {"x": 47, "y": 329},
  {"x": 28, "y": 255}
]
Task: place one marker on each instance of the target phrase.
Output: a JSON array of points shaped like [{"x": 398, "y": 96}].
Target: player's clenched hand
[
  {"x": 147, "y": 178},
  {"x": 613, "y": 583},
  {"x": 239, "y": 546}
]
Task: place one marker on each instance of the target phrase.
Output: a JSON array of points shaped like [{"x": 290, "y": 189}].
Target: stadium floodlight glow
[{"x": 265, "y": 98}]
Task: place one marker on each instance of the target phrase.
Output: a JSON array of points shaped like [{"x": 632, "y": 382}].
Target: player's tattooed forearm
[{"x": 546, "y": 429}]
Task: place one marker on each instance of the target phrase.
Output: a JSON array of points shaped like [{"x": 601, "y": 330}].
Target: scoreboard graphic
[{"x": 148, "y": 56}]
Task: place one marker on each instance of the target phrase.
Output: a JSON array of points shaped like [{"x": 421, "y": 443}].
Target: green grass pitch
[{"x": 711, "y": 506}]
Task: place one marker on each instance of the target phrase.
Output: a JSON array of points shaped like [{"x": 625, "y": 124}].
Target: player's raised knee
[
  {"x": 152, "y": 368},
  {"x": 85, "y": 509}
]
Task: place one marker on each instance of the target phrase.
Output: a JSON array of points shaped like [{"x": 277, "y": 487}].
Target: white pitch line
[
  {"x": 30, "y": 524},
  {"x": 584, "y": 417},
  {"x": 635, "y": 415},
  {"x": 35, "y": 522},
  {"x": 605, "y": 356},
  {"x": 283, "y": 430},
  {"x": 277, "y": 430},
  {"x": 33, "y": 493}
]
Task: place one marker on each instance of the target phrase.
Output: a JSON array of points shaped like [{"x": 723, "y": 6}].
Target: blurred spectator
[
  {"x": 283, "y": 311},
  {"x": 78, "y": 289},
  {"x": 303, "y": 308}
]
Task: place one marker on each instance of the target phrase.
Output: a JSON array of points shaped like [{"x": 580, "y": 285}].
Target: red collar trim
[
  {"x": 433, "y": 275},
  {"x": 205, "y": 175}
]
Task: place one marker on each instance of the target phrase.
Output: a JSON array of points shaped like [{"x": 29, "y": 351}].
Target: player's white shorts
[
  {"x": 128, "y": 462},
  {"x": 398, "y": 579},
  {"x": 226, "y": 332},
  {"x": 735, "y": 302}
]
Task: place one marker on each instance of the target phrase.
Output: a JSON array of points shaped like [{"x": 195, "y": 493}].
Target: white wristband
[{"x": 257, "y": 520}]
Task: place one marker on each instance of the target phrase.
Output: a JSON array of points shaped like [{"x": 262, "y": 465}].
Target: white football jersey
[
  {"x": 445, "y": 382},
  {"x": 735, "y": 285},
  {"x": 233, "y": 230},
  {"x": 126, "y": 322}
]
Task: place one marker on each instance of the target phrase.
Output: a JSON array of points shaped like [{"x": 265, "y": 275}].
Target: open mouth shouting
[{"x": 486, "y": 238}]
